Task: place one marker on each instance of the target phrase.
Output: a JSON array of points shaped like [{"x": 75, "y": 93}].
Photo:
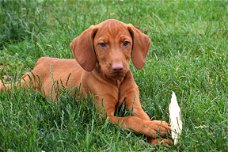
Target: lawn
[{"x": 188, "y": 55}]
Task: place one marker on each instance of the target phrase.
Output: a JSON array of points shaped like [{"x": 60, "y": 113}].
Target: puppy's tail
[
  {"x": 4, "y": 86},
  {"x": 27, "y": 80},
  {"x": 1, "y": 86}
]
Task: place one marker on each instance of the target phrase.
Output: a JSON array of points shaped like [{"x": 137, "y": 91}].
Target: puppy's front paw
[
  {"x": 161, "y": 128},
  {"x": 162, "y": 141}
]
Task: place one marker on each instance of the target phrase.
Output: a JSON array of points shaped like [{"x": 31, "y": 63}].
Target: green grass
[{"x": 188, "y": 55}]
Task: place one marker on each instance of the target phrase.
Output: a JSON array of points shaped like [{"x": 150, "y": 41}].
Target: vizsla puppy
[{"x": 101, "y": 68}]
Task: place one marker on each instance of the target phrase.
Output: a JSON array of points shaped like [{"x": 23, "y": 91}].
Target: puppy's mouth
[{"x": 117, "y": 75}]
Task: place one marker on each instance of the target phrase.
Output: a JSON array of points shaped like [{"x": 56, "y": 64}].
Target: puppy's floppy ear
[
  {"x": 83, "y": 50},
  {"x": 141, "y": 44}
]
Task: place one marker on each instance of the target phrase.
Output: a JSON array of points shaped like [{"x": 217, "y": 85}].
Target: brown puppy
[{"x": 102, "y": 54}]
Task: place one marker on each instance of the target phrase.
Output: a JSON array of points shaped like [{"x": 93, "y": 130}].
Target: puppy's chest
[{"x": 120, "y": 98}]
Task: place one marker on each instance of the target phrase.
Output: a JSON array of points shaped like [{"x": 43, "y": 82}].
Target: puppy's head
[{"x": 109, "y": 46}]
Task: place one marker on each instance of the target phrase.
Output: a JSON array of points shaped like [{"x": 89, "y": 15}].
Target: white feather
[{"x": 175, "y": 118}]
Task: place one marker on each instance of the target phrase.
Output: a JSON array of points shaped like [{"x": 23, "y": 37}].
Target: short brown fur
[{"x": 103, "y": 53}]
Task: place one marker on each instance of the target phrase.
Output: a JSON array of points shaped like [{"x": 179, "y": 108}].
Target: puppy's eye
[
  {"x": 126, "y": 43},
  {"x": 102, "y": 44}
]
